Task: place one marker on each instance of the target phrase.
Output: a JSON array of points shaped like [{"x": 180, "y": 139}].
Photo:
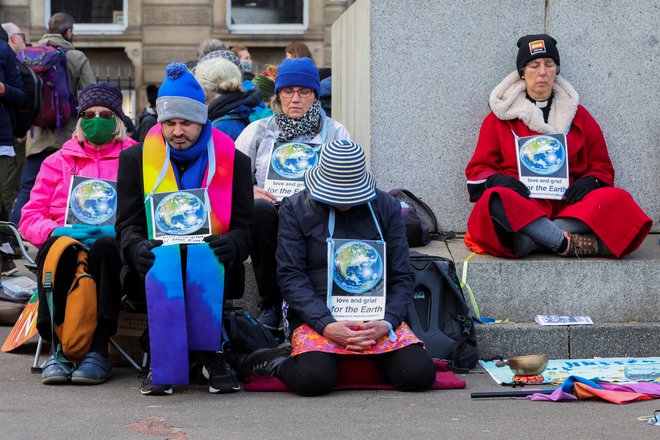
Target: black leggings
[
  {"x": 264, "y": 245},
  {"x": 315, "y": 373}
]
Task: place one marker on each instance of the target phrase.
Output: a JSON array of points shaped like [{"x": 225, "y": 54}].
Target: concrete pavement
[{"x": 117, "y": 410}]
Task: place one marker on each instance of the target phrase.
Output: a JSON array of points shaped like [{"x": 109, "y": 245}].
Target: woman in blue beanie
[{"x": 281, "y": 148}]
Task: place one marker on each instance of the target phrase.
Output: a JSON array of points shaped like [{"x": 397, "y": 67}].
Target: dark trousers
[
  {"x": 4, "y": 165},
  {"x": 14, "y": 172},
  {"x": 264, "y": 245},
  {"x": 104, "y": 264},
  {"x": 31, "y": 168},
  {"x": 315, "y": 373}
]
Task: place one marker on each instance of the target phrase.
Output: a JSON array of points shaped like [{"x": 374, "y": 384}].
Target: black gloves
[
  {"x": 144, "y": 258},
  {"x": 508, "y": 182},
  {"x": 580, "y": 188},
  {"x": 223, "y": 247}
]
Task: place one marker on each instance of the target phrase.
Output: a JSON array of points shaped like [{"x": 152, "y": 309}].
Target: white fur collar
[{"x": 508, "y": 101}]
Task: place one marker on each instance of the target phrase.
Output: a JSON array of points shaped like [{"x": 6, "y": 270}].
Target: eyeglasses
[
  {"x": 303, "y": 92},
  {"x": 105, "y": 114},
  {"x": 20, "y": 34}
]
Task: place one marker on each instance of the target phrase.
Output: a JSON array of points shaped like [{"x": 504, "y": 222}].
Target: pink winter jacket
[{"x": 47, "y": 206}]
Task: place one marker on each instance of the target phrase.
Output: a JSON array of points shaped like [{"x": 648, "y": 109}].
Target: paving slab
[{"x": 615, "y": 340}]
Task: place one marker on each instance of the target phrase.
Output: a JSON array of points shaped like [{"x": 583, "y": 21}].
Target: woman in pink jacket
[{"x": 93, "y": 151}]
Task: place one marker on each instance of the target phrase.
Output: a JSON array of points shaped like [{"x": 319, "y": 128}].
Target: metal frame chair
[{"x": 14, "y": 231}]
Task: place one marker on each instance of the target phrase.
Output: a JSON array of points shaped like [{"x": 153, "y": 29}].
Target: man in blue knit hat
[{"x": 185, "y": 284}]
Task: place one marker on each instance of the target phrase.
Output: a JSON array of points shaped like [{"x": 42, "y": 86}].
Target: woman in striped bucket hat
[{"x": 341, "y": 202}]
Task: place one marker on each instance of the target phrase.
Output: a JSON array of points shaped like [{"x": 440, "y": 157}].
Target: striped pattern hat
[{"x": 341, "y": 177}]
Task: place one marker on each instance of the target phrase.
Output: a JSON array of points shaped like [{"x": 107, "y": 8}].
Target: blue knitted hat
[
  {"x": 298, "y": 72},
  {"x": 181, "y": 96}
]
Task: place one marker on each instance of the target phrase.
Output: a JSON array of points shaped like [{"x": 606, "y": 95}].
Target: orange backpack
[{"x": 72, "y": 305}]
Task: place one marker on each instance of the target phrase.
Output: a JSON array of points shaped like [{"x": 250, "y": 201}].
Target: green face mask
[{"x": 97, "y": 130}]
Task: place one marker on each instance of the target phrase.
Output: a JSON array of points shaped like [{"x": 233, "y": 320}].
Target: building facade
[{"x": 131, "y": 41}]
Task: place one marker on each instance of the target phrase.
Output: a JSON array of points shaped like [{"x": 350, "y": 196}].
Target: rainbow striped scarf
[{"x": 154, "y": 156}]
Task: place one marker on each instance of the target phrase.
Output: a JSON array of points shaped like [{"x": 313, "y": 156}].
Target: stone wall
[{"x": 418, "y": 100}]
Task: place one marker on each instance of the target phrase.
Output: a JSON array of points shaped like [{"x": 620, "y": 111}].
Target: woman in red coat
[{"x": 593, "y": 218}]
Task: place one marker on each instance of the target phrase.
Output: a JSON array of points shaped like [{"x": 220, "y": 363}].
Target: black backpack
[
  {"x": 421, "y": 223},
  {"x": 25, "y": 115},
  {"x": 242, "y": 334},
  {"x": 438, "y": 313}
]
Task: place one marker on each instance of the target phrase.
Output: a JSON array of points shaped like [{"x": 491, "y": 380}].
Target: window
[
  {"x": 92, "y": 16},
  {"x": 267, "y": 16}
]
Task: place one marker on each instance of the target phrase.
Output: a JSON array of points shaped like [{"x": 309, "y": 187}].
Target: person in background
[
  {"x": 93, "y": 151},
  {"x": 326, "y": 95},
  {"x": 12, "y": 155},
  {"x": 204, "y": 48},
  {"x": 340, "y": 200},
  {"x": 17, "y": 41},
  {"x": 593, "y": 218},
  {"x": 298, "y": 49},
  {"x": 229, "y": 56},
  {"x": 148, "y": 116},
  {"x": 230, "y": 107},
  {"x": 266, "y": 86},
  {"x": 11, "y": 95},
  {"x": 298, "y": 118},
  {"x": 245, "y": 60},
  {"x": 48, "y": 140}
]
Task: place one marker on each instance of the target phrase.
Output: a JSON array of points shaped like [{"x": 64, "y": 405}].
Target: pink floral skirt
[{"x": 306, "y": 339}]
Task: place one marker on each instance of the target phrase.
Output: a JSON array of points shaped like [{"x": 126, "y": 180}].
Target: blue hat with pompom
[{"x": 180, "y": 96}]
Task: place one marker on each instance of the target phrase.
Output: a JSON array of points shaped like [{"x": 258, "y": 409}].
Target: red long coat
[{"x": 610, "y": 212}]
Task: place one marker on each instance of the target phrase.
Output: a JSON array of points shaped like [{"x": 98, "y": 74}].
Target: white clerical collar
[{"x": 541, "y": 104}]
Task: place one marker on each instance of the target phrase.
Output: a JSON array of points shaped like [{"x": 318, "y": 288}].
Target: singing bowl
[{"x": 530, "y": 365}]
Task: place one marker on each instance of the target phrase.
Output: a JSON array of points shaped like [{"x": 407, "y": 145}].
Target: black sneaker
[
  {"x": 196, "y": 373},
  {"x": 264, "y": 362},
  {"x": 149, "y": 389},
  {"x": 221, "y": 377}
]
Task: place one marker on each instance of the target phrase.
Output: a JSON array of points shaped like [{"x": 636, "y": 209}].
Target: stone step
[
  {"x": 607, "y": 290},
  {"x": 569, "y": 342}
]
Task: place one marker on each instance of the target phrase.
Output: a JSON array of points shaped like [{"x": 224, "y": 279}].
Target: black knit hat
[
  {"x": 536, "y": 46},
  {"x": 103, "y": 94}
]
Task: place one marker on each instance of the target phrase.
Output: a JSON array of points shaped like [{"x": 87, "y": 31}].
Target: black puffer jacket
[{"x": 302, "y": 255}]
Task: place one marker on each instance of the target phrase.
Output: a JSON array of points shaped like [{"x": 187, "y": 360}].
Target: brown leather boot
[{"x": 581, "y": 245}]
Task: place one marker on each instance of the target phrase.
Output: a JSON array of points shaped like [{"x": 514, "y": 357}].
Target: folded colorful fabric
[{"x": 578, "y": 388}]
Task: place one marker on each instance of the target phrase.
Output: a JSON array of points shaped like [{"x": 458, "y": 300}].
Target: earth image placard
[
  {"x": 290, "y": 161},
  {"x": 180, "y": 213},
  {"x": 543, "y": 155},
  {"x": 358, "y": 267},
  {"x": 93, "y": 201}
]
